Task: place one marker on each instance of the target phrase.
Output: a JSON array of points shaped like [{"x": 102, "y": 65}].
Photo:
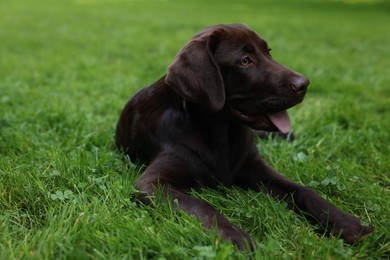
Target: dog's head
[{"x": 230, "y": 67}]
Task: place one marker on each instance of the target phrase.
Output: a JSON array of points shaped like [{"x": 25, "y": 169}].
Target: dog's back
[{"x": 149, "y": 120}]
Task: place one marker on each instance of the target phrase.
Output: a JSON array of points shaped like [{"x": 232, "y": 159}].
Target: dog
[{"x": 194, "y": 128}]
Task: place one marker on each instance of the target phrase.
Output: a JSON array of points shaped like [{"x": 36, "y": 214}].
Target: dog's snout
[{"x": 299, "y": 83}]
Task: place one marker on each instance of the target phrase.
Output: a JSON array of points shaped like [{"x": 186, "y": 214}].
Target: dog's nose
[{"x": 299, "y": 83}]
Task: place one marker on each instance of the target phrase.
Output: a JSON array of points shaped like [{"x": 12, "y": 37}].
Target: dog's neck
[{"x": 220, "y": 119}]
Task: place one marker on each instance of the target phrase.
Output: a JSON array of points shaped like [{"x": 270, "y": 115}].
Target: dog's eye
[
  {"x": 269, "y": 49},
  {"x": 245, "y": 61}
]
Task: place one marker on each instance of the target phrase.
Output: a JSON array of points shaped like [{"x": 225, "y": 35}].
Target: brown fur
[{"x": 194, "y": 127}]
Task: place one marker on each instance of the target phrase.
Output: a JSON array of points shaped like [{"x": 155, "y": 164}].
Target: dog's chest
[
  {"x": 225, "y": 156},
  {"x": 212, "y": 149}
]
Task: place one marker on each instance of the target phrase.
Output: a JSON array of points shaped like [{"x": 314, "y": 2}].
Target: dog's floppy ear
[{"x": 194, "y": 74}]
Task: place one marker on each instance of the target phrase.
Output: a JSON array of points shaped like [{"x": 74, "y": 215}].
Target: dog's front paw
[
  {"x": 237, "y": 236},
  {"x": 350, "y": 229}
]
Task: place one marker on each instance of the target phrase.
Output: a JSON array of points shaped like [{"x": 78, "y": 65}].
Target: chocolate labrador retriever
[{"x": 194, "y": 128}]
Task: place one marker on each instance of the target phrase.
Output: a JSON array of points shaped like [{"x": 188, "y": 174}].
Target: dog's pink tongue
[{"x": 281, "y": 120}]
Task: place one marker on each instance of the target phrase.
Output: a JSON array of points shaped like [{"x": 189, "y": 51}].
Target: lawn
[{"x": 68, "y": 67}]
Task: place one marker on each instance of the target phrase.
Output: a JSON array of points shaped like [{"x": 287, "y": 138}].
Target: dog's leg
[
  {"x": 170, "y": 177},
  {"x": 302, "y": 199}
]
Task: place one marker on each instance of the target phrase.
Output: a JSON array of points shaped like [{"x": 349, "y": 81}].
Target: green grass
[{"x": 68, "y": 67}]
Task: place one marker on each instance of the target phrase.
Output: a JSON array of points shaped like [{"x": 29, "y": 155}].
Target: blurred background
[{"x": 68, "y": 67}]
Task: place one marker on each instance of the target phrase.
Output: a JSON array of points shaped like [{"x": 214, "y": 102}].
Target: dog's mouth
[
  {"x": 281, "y": 120},
  {"x": 277, "y": 121}
]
